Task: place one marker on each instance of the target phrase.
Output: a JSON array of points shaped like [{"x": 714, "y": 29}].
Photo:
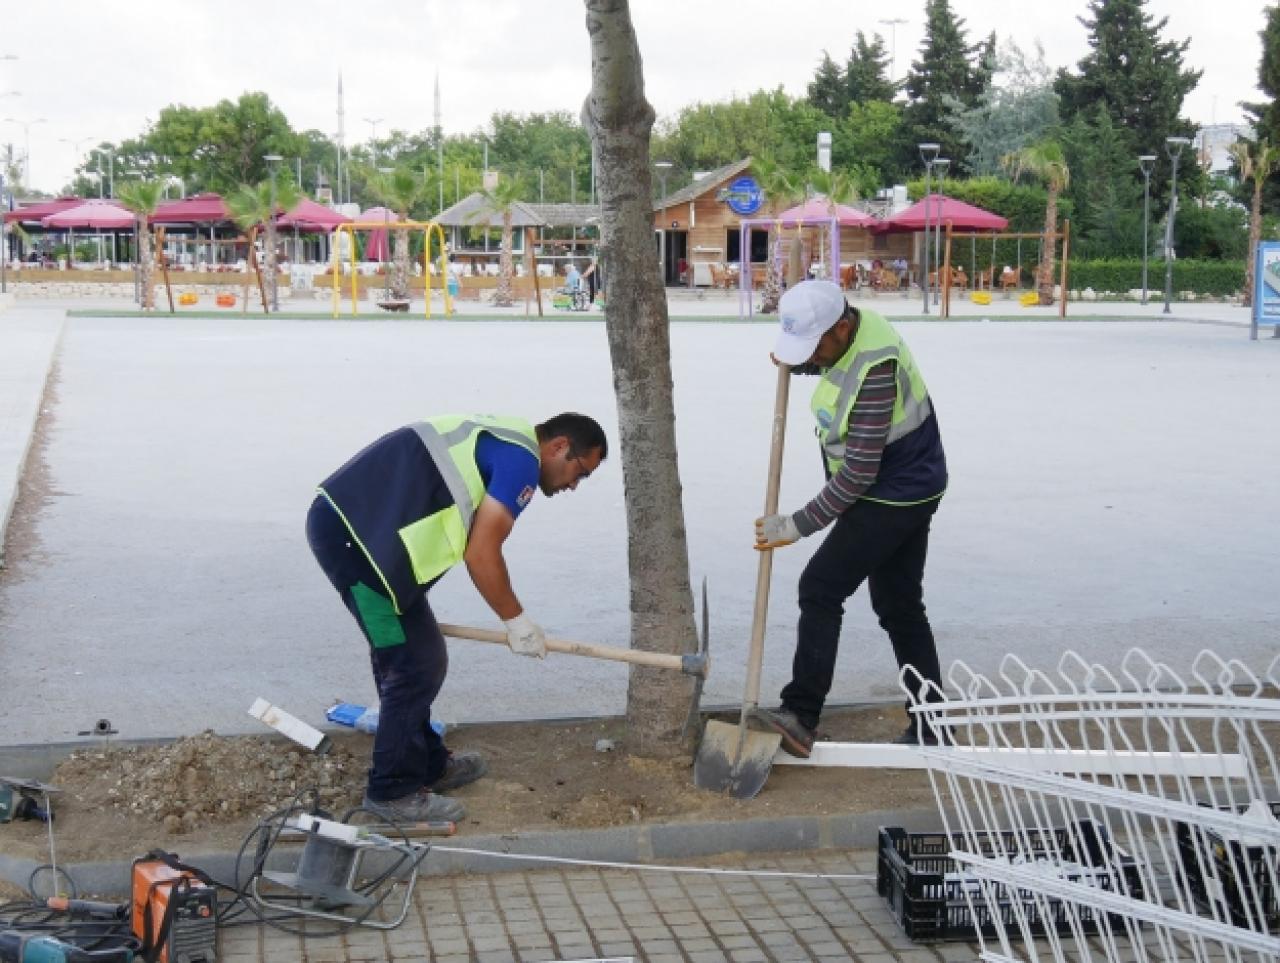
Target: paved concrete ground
[
  {"x": 568, "y": 913},
  {"x": 1099, "y": 499}
]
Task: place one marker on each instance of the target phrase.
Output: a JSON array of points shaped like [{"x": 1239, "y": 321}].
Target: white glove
[
  {"x": 525, "y": 637},
  {"x": 774, "y": 531}
]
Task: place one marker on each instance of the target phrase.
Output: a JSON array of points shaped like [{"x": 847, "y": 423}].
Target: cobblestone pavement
[{"x": 582, "y": 912}]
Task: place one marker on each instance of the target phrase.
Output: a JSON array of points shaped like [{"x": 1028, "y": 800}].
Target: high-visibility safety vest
[
  {"x": 913, "y": 467},
  {"x": 409, "y": 499}
]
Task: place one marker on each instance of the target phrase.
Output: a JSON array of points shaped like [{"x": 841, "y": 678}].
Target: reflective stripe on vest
[
  {"x": 438, "y": 542},
  {"x": 875, "y": 343}
]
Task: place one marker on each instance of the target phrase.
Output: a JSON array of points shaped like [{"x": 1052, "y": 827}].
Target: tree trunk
[
  {"x": 146, "y": 265},
  {"x": 400, "y": 266},
  {"x": 1044, "y": 276},
  {"x": 619, "y": 120},
  {"x": 504, "y": 296},
  {"x": 1255, "y": 235},
  {"x": 272, "y": 271},
  {"x": 771, "y": 290}
]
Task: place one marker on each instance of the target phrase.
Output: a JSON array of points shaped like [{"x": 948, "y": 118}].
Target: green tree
[
  {"x": 1107, "y": 197},
  {"x": 142, "y": 198},
  {"x": 1045, "y": 161},
  {"x": 501, "y": 198},
  {"x": 401, "y": 190},
  {"x": 1267, "y": 115},
  {"x": 867, "y": 138},
  {"x": 1137, "y": 76},
  {"x": 251, "y": 207},
  {"x": 1256, "y": 161},
  {"x": 1017, "y": 108},
  {"x": 949, "y": 72},
  {"x": 827, "y": 90},
  {"x": 866, "y": 74}
]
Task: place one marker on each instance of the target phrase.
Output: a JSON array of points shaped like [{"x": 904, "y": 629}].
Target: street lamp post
[
  {"x": 1173, "y": 145},
  {"x": 373, "y": 123},
  {"x": 4, "y": 238},
  {"x": 272, "y": 160},
  {"x": 1147, "y": 163},
  {"x": 892, "y": 24},
  {"x": 26, "y": 132},
  {"x": 111, "y": 170},
  {"x": 942, "y": 163},
  {"x": 664, "y": 166},
  {"x": 928, "y": 154}
]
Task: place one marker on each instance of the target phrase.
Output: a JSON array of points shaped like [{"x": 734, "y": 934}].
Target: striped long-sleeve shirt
[{"x": 869, "y": 422}]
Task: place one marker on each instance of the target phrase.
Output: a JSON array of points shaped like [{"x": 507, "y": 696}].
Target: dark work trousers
[
  {"x": 408, "y": 655},
  {"x": 885, "y": 545}
]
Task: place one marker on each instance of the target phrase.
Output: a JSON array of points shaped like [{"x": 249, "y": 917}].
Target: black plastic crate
[
  {"x": 926, "y": 889},
  {"x": 1235, "y": 863}
]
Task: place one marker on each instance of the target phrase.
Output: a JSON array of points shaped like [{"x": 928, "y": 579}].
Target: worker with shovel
[
  {"x": 388, "y": 524},
  {"x": 886, "y": 473}
]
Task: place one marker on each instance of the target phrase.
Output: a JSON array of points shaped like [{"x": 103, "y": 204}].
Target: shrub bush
[{"x": 1219, "y": 278}]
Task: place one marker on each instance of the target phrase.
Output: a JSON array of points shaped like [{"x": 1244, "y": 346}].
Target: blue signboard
[
  {"x": 1266, "y": 286},
  {"x": 743, "y": 196}
]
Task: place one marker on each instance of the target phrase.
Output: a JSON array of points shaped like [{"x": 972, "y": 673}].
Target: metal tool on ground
[
  {"x": 731, "y": 758},
  {"x": 696, "y": 665},
  {"x": 330, "y": 881}
]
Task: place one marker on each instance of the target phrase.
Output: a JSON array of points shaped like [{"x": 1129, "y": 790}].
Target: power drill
[{"x": 19, "y": 947}]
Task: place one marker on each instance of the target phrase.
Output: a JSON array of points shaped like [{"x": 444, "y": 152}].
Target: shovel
[{"x": 736, "y": 758}]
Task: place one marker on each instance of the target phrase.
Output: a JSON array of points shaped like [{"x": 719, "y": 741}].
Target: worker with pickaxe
[
  {"x": 886, "y": 473},
  {"x": 388, "y": 524}
]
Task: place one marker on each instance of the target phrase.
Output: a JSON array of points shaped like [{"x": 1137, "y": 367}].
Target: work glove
[
  {"x": 525, "y": 637},
  {"x": 774, "y": 531}
]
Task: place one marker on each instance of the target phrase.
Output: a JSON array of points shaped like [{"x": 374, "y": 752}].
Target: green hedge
[{"x": 1125, "y": 274}]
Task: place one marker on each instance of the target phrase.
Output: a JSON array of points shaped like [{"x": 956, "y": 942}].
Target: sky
[{"x": 87, "y": 72}]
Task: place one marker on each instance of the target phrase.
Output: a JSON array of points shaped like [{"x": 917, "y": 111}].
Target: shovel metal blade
[{"x": 722, "y": 766}]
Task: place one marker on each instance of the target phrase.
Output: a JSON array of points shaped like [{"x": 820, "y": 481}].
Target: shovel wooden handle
[{"x": 690, "y": 665}]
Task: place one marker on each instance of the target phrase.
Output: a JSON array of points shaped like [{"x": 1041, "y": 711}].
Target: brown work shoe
[
  {"x": 422, "y": 806},
  {"x": 797, "y": 738},
  {"x": 461, "y": 769}
]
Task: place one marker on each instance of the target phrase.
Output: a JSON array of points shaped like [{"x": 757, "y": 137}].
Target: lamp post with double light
[
  {"x": 272, "y": 161},
  {"x": 928, "y": 154},
  {"x": 26, "y": 126},
  {"x": 373, "y": 123},
  {"x": 1146, "y": 163},
  {"x": 111, "y": 170},
  {"x": 892, "y": 24},
  {"x": 1173, "y": 146}
]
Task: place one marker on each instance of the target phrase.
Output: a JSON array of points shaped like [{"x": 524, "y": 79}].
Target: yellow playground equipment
[{"x": 427, "y": 228}]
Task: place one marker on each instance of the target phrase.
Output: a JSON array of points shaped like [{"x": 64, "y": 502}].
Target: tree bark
[
  {"x": 146, "y": 262},
  {"x": 1044, "y": 276},
  {"x": 1255, "y": 235},
  {"x": 504, "y": 295},
  {"x": 619, "y": 120},
  {"x": 400, "y": 265}
]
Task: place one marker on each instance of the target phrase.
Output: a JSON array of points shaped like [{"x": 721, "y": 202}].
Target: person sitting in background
[{"x": 572, "y": 279}]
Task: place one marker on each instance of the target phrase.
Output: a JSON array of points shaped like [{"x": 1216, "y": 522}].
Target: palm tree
[
  {"x": 250, "y": 207},
  {"x": 1256, "y": 161},
  {"x": 782, "y": 187},
  {"x": 142, "y": 198},
  {"x": 835, "y": 187},
  {"x": 1046, "y": 161},
  {"x": 502, "y": 197},
  {"x": 400, "y": 190}
]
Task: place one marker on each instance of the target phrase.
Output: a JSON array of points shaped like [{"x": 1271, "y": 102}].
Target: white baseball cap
[{"x": 806, "y": 312}]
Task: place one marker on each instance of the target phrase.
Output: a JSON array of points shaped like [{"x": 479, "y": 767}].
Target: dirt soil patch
[{"x": 205, "y": 793}]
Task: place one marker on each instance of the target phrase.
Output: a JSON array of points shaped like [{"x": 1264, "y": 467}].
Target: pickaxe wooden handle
[{"x": 695, "y": 665}]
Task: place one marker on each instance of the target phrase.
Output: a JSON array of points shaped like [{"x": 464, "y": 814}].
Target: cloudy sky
[{"x": 89, "y": 71}]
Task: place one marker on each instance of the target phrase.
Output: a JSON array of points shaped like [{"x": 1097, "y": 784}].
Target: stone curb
[{"x": 663, "y": 843}]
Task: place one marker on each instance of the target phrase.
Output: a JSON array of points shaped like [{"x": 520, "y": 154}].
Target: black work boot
[{"x": 797, "y": 738}]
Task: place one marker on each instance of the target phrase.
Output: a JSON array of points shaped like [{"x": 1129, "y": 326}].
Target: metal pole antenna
[{"x": 928, "y": 152}]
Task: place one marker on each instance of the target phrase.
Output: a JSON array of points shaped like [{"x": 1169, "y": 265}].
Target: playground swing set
[
  {"x": 428, "y": 228},
  {"x": 1006, "y": 279}
]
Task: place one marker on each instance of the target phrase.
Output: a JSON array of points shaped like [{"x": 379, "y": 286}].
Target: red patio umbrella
[
  {"x": 32, "y": 213},
  {"x": 377, "y": 249},
  {"x": 308, "y": 215},
  {"x": 196, "y": 209},
  {"x": 102, "y": 214},
  {"x": 819, "y": 209},
  {"x": 941, "y": 209}
]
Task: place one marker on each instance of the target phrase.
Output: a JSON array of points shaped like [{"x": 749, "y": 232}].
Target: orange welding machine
[{"x": 175, "y": 910}]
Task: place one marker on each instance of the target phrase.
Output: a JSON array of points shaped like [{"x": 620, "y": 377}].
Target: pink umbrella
[
  {"x": 377, "y": 249},
  {"x": 819, "y": 209},
  {"x": 310, "y": 216},
  {"x": 101, "y": 214},
  {"x": 941, "y": 209}
]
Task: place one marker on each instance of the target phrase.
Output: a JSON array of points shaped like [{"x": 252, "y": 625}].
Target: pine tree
[
  {"x": 945, "y": 73},
  {"x": 866, "y": 75},
  {"x": 827, "y": 89},
  {"x": 1136, "y": 75},
  {"x": 1267, "y": 115}
]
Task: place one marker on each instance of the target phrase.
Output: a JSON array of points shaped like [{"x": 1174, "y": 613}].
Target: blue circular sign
[{"x": 744, "y": 196}]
